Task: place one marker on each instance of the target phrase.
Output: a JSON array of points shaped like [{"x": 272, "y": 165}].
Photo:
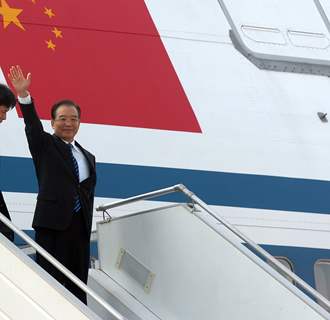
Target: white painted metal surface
[
  {"x": 117, "y": 296},
  {"x": 274, "y": 28},
  {"x": 198, "y": 274},
  {"x": 29, "y": 293}
]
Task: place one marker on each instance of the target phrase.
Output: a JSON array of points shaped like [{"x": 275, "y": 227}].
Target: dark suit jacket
[
  {"x": 58, "y": 185},
  {"x": 3, "y": 228}
]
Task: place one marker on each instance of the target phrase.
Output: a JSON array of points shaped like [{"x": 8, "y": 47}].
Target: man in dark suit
[
  {"x": 7, "y": 102},
  {"x": 66, "y": 177}
]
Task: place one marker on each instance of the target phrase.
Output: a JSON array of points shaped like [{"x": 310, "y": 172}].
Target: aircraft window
[
  {"x": 287, "y": 263},
  {"x": 263, "y": 34},
  {"x": 308, "y": 39},
  {"x": 322, "y": 277}
]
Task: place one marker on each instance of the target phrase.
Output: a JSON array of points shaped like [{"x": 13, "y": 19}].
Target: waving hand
[{"x": 19, "y": 82}]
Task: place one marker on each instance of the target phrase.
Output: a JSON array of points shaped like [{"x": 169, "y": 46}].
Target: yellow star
[
  {"x": 34, "y": 1},
  {"x": 50, "y": 45},
  {"x": 49, "y": 12},
  {"x": 58, "y": 33},
  {"x": 10, "y": 15}
]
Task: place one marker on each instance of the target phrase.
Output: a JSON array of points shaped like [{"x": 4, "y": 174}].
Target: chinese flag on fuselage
[{"x": 106, "y": 55}]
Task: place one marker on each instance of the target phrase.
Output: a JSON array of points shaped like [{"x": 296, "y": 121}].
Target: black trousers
[{"x": 71, "y": 248}]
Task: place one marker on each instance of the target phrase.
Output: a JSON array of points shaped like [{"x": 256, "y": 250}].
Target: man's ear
[{"x": 52, "y": 123}]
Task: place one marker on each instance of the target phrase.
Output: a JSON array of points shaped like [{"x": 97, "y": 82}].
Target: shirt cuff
[{"x": 24, "y": 100}]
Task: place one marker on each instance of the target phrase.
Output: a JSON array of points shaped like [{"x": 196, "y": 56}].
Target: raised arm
[{"x": 33, "y": 127}]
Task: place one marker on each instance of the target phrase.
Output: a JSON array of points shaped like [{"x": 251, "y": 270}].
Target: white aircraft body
[{"x": 256, "y": 76}]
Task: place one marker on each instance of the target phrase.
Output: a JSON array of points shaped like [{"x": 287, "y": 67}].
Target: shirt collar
[{"x": 73, "y": 143}]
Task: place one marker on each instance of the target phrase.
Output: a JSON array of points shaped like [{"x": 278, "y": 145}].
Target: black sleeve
[
  {"x": 33, "y": 127},
  {"x": 3, "y": 228}
]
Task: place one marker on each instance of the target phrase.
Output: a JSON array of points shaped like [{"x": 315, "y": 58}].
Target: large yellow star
[{"x": 10, "y": 15}]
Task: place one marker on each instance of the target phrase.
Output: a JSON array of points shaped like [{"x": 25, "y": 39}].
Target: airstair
[
  {"x": 172, "y": 261},
  {"x": 183, "y": 261},
  {"x": 27, "y": 292},
  {"x": 30, "y": 293}
]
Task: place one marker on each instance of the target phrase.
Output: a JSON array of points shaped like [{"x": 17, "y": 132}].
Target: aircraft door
[{"x": 282, "y": 35}]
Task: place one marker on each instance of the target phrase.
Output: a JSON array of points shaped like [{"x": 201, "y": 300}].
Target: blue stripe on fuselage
[{"x": 215, "y": 188}]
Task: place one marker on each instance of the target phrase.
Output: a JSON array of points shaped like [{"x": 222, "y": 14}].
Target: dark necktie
[{"x": 77, "y": 204}]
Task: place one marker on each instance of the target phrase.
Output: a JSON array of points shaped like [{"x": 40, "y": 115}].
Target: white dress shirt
[
  {"x": 25, "y": 100},
  {"x": 81, "y": 160}
]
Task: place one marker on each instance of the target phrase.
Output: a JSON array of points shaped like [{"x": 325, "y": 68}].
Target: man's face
[
  {"x": 66, "y": 123},
  {"x": 3, "y": 113}
]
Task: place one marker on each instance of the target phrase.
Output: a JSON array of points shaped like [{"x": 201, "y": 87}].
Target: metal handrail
[
  {"x": 251, "y": 243},
  {"x": 143, "y": 196},
  {"x": 61, "y": 268}
]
